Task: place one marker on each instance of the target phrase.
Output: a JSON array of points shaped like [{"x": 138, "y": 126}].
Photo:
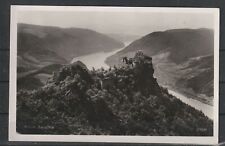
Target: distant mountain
[
  {"x": 119, "y": 101},
  {"x": 40, "y": 46},
  {"x": 181, "y": 44},
  {"x": 43, "y": 44},
  {"x": 172, "y": 51}
]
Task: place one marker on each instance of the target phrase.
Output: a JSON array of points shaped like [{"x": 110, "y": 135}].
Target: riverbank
[{"x": 205, "y": 108}]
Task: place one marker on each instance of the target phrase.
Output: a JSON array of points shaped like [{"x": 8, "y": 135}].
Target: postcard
[{"x": 114, "y": 74}]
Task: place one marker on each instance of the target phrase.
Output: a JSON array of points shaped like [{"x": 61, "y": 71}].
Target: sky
[{"x": 125, "y": 22}]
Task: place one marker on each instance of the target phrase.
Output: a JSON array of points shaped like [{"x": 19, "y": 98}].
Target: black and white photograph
[{"x": 114, "y": 74}]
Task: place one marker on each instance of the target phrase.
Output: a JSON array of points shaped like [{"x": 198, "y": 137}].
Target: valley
[
  {"x": 182, "y": 58},
  {"x": 189, "y": 77}
]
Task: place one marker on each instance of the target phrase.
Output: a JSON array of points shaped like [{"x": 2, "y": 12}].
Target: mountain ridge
[
  {"x": 171, "y": 50},
  {"x": 176, "y": 40},
  {"x": 60, "y": 44},
  {"x": 42, "y": 46}
]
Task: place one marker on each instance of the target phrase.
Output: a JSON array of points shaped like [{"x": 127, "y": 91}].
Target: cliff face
[{"x": 123, "y": 100}]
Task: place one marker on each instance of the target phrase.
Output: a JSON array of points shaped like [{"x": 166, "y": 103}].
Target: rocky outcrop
[{"x": 123, "y": 100}]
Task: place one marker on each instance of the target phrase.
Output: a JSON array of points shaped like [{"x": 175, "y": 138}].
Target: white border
[{"x": 14, "y": 136}]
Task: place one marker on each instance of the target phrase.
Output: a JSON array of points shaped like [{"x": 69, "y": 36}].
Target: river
[
  {"x": 205, "y": 108},
  {"x": 97, "y": 60}
]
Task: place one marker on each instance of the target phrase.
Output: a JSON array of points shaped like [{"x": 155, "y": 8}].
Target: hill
[
  {"x": 42, "y": 45},
  {"x": 123, "y": 100},
  {"x": 181, "y": 44},
  {"x": 172, "y": 51}
]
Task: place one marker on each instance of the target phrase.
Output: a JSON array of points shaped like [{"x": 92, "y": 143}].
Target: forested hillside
[{"x": 123, "y": 100}]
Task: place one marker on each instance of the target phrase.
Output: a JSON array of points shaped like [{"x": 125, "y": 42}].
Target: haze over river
[{"x": 97, "y": 60}]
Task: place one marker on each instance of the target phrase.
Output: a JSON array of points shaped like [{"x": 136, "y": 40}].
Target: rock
[{"x": 131, "y": 103}]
